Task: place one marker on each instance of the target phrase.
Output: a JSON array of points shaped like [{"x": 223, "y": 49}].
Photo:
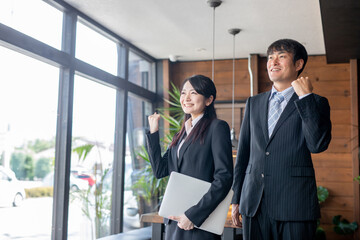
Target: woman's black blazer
[{"x": 210, "y": 161}]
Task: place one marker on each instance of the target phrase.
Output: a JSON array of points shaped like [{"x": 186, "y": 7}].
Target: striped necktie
[{"x": 275, "y": 111}]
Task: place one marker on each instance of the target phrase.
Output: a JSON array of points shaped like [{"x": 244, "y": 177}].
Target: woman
[{"x": 202, "y": 149}]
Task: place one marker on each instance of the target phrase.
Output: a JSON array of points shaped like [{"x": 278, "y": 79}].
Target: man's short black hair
[{"x": 292, "y": 46}]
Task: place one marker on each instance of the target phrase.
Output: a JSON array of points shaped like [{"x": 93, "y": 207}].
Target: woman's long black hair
[{"x": 204, "y": 86}]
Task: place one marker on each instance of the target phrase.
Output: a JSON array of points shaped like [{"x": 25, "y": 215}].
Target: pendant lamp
[
  {"x": 234, "y": 141},
  {"x": 214, "y": 4}
]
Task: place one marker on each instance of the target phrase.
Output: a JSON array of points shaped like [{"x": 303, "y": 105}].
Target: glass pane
[
  {"x": 96, "y": 49},
  {"x": 138, "y": 196},
  {"x": 28, "y": 106},
  {"x": 141, "y": 72},
  {"x": 34, "y": 18},
  {"x": 91, "y": 160}
]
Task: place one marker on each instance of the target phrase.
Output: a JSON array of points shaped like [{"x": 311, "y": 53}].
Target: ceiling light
[
  {"x": 173, "y": 58},
  {"x": 234, "y": 141},
  {"x": 213, "y": 4}
]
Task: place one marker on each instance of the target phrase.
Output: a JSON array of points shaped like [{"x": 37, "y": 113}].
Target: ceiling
[
  {"x": 184, "y": 28},
  {"x": 341, "y": 23}
]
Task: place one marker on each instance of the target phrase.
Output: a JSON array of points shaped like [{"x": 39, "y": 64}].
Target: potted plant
[{"x": 148, "y": 189}]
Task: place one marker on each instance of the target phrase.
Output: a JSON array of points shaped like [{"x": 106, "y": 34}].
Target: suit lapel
[
  {"x": 290, "y": 107},
  {"x": 174, "y": 153},
  {"x": 182, "y": 151},
  {"x": 264, "y": 105},
  {"x": 174, "y": 157}
]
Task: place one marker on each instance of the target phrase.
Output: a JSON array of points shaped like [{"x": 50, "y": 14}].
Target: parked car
[
  {"x": 84, "y": 176},
  {"x": 11, "y": 190},
  {"x": 75, "y": 183}
]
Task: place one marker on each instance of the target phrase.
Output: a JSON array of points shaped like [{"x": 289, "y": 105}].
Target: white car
[
  {"x": 75, "y": 183},
  {"x": 11, "y": 190}
]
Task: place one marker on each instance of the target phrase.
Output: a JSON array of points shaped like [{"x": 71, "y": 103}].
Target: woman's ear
[{"x": 209, "y": 100}]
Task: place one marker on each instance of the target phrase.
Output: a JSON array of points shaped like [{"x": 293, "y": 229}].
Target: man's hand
[
  {"x": 154, "y": 122},
  {"x": 235, "y": 215},
  {"x": 183, "y": 222},
  {"x": 302, "y": 86}
]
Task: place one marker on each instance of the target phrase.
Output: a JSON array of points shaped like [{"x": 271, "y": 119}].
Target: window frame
[{"x": 69, "y": 66}]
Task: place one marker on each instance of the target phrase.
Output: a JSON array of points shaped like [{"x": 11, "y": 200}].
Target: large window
[
  {"x": 66, "y": 116},
  {"x": 141, "y": 71},
  {"x": 93, "y": 155},
  {"x": 34, "y": 18},
  {"x": 28, "y": 106},
  {"x": 96, "y": 49},
  {"x": 139, "y": 197}
]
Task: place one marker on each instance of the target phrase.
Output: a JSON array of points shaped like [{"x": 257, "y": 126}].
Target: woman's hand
[
  {"x": 183, "y": 222},
  {"x": 154, "y": 122}
]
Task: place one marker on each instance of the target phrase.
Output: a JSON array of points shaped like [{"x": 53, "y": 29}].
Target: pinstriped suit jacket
[{"x": 280, "y": 168}]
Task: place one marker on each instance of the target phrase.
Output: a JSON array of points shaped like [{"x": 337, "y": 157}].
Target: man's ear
[
  {"x": 299, "y": 64},
  {"x": 209, "y": 100}
]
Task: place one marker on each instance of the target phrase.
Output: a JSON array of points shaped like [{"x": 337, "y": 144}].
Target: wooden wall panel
[
  {"x": 332, "y": 160},
  {"x": 334, "y": 167},
  {"x": 223, "y": 76},
  {"x": 331, "y": 235},
  {"x": 337, "y": 189},
  {"x": 334, "y": 174},
  {"x": 354, "y": 90}
]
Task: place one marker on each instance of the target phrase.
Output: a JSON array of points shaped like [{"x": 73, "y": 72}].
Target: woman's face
[{"x": 192, "y": 102}]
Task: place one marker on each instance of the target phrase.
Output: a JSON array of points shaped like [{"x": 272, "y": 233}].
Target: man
[{"x": 274, "y": 179}]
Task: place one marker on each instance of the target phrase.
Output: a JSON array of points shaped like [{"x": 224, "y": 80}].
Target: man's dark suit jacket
[
  {"x": 280, "y": 168},
  {"x": 210, "y": 161}
]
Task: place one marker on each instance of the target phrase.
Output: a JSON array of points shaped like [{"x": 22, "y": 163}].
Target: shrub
[{"x": 39, "y": 192}]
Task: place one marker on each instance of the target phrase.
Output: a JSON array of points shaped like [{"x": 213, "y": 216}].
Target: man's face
[{"x": 281, "y": 68}]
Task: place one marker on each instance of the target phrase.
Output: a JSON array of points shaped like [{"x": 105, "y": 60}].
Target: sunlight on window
[
  {"x": 96, "y": 49},
  {"x": 136, "y": 203},
  {"x": 93, "y": 134},
  {"x": 34, "y": 18},
  {"x": 28, "y": 106}
]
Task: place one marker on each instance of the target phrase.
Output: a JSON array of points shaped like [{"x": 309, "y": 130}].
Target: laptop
[{"x": 183, "y": 192}]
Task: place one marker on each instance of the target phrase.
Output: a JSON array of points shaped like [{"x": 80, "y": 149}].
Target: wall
[{"x": 334, "y": 166}]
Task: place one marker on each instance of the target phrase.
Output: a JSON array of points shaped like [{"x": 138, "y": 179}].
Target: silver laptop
[{"x": 183, "y": 192}]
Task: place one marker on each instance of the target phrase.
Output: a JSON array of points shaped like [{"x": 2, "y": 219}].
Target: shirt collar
[
  {"x": 189, "y": 124},
  {"x": 287, "y": 93}
]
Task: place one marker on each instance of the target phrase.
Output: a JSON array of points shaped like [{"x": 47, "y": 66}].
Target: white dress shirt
[{"x": 189, "y": 125}]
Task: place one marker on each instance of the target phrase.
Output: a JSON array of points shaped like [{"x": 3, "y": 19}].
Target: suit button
[
  {"x": 267, "y": 153},
  {"x": 262, "y": 175}
]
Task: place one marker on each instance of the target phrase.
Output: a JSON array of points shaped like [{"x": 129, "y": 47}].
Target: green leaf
[
  {"x": 322, "y": 194},
  {"x": 320, "y": 234},
  {"x": 357, "y": 179},
  {"x": 83, "y": 151},
  {"x": 344, "y": 227},
  {"x": 336, "y": 219}
]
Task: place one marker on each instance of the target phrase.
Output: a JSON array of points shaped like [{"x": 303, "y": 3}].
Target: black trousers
[
  {"x": 173, "y": 232},
  {"x": 262, "y": 227}
]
